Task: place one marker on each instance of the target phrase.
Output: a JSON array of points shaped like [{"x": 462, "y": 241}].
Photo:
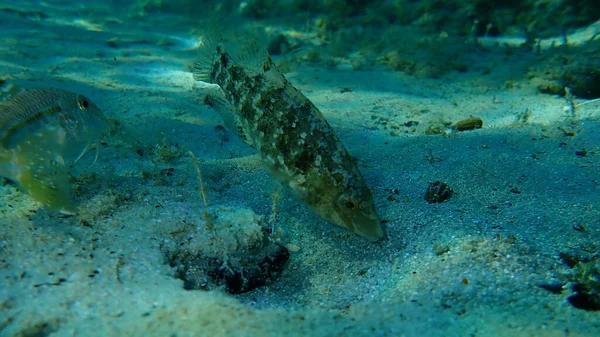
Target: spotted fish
[
  {"x": 296, "y": 143},
  {"x": 42, "y": 133}
]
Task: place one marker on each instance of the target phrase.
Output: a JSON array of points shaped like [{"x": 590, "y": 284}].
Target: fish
[
  {"x": 296, "y": 143},
  {"x": 43, "y": 132}
]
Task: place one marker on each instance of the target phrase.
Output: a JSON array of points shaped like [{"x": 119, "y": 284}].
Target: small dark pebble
[
  {"x": 515, "y": 190},
  {"x": 112, "y": 43},
  {"x": 345, "y": 90},
  {"x": 168, "y": 172},
  {"x": 440, "y": 249},
  {"x": 438, "y": 192},
  {"x": 581, "y": 153},
  {"x": 579, "y": 227}
]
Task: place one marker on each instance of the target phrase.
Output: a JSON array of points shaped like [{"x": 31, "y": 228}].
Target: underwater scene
[{"x": 299, "y": 168}]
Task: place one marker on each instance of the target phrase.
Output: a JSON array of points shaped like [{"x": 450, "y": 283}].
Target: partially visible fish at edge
[
  {"x": 42, "y": 133},
  {"x": 296, "y": 143}
]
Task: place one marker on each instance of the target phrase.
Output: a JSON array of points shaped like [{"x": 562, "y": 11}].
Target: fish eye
[{"x": 83, "y": 103}]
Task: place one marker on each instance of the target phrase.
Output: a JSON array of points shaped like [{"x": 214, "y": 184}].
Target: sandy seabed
[{"x": 525, "y": 192}]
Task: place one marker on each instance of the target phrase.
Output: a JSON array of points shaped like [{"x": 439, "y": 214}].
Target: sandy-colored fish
[
  {"x": 296, "y": 143},
  {"x": 42, "y": 133}
]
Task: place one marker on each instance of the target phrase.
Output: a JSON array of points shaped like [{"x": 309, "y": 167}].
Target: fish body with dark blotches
[
  {"x": 295, "y": 141},
  {"x": 42, "y": 133}
]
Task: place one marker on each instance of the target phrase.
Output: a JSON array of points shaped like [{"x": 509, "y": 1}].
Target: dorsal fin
[
  {"x": 250, "y": 54},
  {"x": 245, "y": 49},
  {"x": 210, "y": 48}
]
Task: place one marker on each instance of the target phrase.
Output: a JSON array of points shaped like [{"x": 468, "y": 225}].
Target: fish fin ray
[
  {"x": 83, "y": 152},
  {"x": 209, "y": 50},
  {"x": 250, "y": 55},
  {"x": 97, "y": 146}
]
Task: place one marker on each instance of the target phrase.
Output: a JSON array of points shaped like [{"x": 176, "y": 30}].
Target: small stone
[
  {"x": 438, "y": 192},
  {"x": 293, "y": 248},
  {"x": 581, "y": 153},
  {"x": 468, "y": 124},
  {"x": 440, "y": 249}
]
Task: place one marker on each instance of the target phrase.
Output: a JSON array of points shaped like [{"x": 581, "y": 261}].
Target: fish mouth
[
  {"x": 368, "y": 227},
  {"x": 365, "y": 224}
]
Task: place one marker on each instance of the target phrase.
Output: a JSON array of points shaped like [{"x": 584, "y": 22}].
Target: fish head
[
  {"x": 355, "y": 210},
  {"x": 84, "y": 122},
  {"x": 84, "y": 116},
  {"x": 346, "y": 201}
]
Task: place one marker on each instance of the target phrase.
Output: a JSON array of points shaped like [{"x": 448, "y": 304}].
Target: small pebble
[
  {"x": 468, "y": 124},
  {"x": 581, "y": 153},
  {"x": 438, "y": 192}
]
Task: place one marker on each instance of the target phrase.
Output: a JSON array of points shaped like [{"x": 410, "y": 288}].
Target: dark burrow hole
[{"x": 235, "y": 275}]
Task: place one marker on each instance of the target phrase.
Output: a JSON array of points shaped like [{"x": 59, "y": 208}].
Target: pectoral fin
[
  {"x": 44, "y": 176},
  {"x": 51, "y": 188}
]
